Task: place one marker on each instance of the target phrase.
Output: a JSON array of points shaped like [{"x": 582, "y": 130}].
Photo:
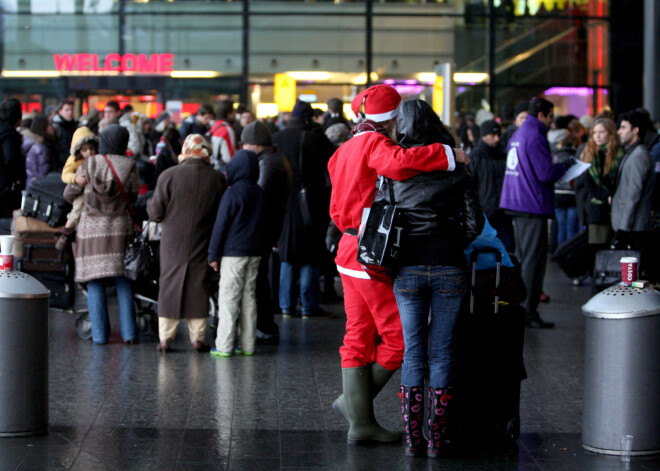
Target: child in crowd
[
  {"x": 83, "y": 144},
  {"x": 235, "y": 248}
]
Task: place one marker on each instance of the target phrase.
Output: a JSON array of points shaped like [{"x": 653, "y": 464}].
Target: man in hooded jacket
[{"x": 12, "y": 163}]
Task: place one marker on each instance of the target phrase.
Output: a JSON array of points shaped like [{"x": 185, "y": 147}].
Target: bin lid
[
  {"x": 16, "y": 284},
  {"x": 623, "y": 302}
]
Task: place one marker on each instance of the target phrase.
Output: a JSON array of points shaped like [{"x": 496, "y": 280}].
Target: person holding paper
[{"x": 528, "y": 195}]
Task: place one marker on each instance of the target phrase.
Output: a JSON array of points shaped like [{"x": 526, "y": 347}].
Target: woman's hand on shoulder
[{"x": 460, "y": 156}]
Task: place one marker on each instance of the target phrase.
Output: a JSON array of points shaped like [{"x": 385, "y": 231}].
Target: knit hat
[
  {"x": 81, "y": 136},
  {"x": 381, "y": 103},
  {"x": 587, "y": 121},
  {"x": 256, "y": 133},
  {"x": 164, "y": 115},
  {"x": 302, "y": 110},
  {"x": 520, "y": 107},
  {"x": 490, "y": 127},
  {"x": 196, "y": 146}
]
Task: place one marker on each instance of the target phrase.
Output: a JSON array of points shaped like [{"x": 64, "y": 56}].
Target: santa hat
[{"x": 381, "y": 103}]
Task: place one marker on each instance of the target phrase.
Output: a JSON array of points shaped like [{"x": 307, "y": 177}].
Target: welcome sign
[{"x": 112, "y": 64}]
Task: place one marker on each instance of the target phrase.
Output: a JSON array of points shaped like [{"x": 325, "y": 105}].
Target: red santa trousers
[{"x": 371, "y": 312}]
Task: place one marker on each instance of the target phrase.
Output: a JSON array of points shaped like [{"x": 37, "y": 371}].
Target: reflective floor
[{"x": 119, "y": 407}]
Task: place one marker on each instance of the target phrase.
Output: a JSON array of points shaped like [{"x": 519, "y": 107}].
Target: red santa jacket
[{"x": 354, "y": 168}]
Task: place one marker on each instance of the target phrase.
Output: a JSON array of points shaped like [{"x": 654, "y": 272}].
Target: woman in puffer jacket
[
  {"x": 441, "y": 216},
  {"x": 38, "y": 147}
]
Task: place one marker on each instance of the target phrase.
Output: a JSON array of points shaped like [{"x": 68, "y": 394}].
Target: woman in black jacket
[{"x": 441, "y": 216}]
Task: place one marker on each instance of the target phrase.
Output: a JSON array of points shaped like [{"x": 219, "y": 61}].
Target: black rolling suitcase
[
  {"x": 44, "y": 200},
  {"x": 62, "y": 288},
  {"x": 574, "y": 256},
  {"x": 489, "y": 367}
]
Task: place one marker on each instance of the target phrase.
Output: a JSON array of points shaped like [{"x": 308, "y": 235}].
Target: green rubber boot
[
  {"x": 379, "y": 378},
  {"x": 364, "y": 428}
]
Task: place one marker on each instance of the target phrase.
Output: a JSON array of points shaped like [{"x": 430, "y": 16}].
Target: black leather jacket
[{"x": 440, "y": 210}]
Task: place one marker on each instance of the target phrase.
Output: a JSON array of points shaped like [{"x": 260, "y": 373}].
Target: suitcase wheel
[{"x": 83, "y": 327}]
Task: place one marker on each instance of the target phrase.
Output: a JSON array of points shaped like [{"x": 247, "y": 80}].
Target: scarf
[
  {"x": 596, "y": 170},
  {"x": 367, "y": 125}
]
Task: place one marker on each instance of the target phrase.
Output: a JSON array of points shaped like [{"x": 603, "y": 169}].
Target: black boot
[
  {"x": 412, "y": 408},
  {"x": 439, "y": 410}
]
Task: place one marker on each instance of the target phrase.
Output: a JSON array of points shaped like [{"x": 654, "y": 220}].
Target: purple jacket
[
  {"x": 530, "y": 174},
  {"x": 38, "y": 157}
]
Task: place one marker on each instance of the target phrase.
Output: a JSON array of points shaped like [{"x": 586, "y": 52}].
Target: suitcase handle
[{"x": 498, "y": 265}]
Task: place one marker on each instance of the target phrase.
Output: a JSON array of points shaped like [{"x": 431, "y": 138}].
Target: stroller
[{"x": 145, "y": 298}]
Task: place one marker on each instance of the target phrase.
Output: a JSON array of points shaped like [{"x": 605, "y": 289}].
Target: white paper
[{"x": 574, "y": 171}]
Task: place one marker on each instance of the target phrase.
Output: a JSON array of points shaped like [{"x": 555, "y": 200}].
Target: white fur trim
[
  {"x": 353, "y": 273},
  {"x": 380, "y": 117},
  {"x": 451, "y": 158}
]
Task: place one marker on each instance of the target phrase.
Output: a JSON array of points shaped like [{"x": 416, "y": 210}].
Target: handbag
[
  {"x": 379, "y": 237},
  {"x": 303, "y": 194},
  {"x": 139, "y": 260}
]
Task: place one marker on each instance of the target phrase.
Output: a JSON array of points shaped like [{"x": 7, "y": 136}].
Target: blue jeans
[
  {"x": 310, "y": 287},
  {"x": 98, "y": 310},
  {"x": 567, "y": 223},
  {"x": 429, "y": 345}
]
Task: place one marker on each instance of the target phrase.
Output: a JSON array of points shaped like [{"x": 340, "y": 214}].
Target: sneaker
[
  {"x": 267, "y": 339},
  {"x": 287, "y": 313},
  {"x": 248, "y": 354},
  {"x": 316, "y": 314},
  {"x": 535, "y": 322},
  {"x": 238, "y": 350},
  {"x": 216, "y": 353}
]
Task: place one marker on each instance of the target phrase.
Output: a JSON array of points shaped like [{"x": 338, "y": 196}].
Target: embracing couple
[{"x": 441, "y": 216}]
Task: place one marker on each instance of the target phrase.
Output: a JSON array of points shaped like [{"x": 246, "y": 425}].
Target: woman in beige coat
[
  {"x": 105, "y": 225},
  {"x": 185, "y": 202}
]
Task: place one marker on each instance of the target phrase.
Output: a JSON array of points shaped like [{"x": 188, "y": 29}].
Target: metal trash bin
[
  {"x": 23, "y": 355},
  {"x": 622, "y": 371}
]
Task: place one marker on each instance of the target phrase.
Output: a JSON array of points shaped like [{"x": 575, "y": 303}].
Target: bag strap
[
  {"x": 123, "y": 191},
  {"x": 390, "y": 188}
]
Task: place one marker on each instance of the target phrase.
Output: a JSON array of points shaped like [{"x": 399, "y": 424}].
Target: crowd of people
[{"x": 257, "y": 204}]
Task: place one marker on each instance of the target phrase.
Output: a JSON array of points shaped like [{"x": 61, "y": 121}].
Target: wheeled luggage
[
  {"x": 489, "y": 365},
  {"x": 44, "y": 200},
  {"x": 574, "y": 256},
  {"x": 35, "y": 253}
]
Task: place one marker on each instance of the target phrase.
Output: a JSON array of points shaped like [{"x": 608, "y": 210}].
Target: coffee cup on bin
[
  {"x": 6, "y": 253},
  {"x": 629, "y": 270}
]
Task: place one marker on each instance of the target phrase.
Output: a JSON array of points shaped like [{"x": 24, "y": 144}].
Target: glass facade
[{"x": 193, "y": 51}]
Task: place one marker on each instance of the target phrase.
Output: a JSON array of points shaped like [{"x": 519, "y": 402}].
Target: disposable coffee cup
[
  {"x": 6, "y": 263},
  {"x": 629, "y": 270},
  {"x": 6, "y": 245}
]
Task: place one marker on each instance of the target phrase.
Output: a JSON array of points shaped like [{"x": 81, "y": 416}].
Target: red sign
[{"x": 153, "y": 64}]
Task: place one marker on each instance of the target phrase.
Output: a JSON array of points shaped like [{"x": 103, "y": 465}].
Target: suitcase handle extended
[{"x": 498, "y": 264}]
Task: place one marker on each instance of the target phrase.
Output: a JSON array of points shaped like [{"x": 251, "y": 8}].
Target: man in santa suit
[{"x": 370, "y": 305}]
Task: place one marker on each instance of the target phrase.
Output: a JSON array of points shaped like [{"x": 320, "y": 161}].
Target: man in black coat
[
  {"x": 12, "y": 163},
  {"x": 487, "y": 166},
  {"x": 301, "y": 245},
  {"x": 275, "y": 179},
  {"x": 65, "y": 125}
]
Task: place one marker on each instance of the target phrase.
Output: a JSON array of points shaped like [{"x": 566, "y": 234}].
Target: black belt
[{"x": 351, "y": 232}]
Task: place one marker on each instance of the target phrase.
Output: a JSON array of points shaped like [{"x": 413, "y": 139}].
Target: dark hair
[
  {"x": 335, "y": 105},
  {"x": 636, "y": 120},
  {"x": 647, "y": 122},
  {"x": 39, "y": 125},
  {"x": 10, "y": 111},
  {"x": 539, "y": 105},
  {"x": 172, "y": 139},
  {"x": 562, "y": 122},
  {"x": 225, "y": 108},
  {"x": 93, "y": 144},
  {"x": 113, "y": 104},
  {"x": 316, "y": 112},
  {"x": 26, "y": 122},
  {"x": 64, "y": 103},
  {"x": 205, "y": 108}
]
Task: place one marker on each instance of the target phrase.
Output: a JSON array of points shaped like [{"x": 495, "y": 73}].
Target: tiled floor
[{"x": 119, "y": 407}]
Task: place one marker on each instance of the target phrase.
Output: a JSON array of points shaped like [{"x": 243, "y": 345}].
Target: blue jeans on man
[
  {"x": 98, "y": 310},
  {"x": 430, "y": 348},
  {"x": 310, "y": 288}
]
